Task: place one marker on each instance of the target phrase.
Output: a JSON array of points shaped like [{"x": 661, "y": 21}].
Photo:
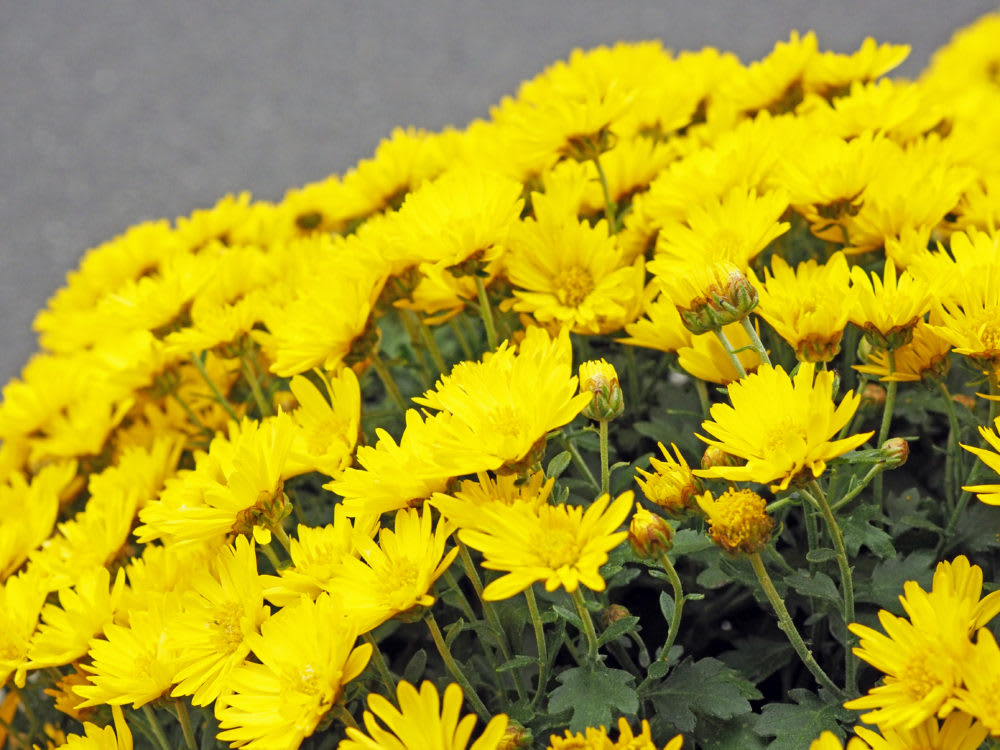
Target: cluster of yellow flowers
[{"x": 204, "y": 383}]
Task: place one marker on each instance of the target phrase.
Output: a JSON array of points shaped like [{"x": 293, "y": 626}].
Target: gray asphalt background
[{"x": 118, "y": 111}]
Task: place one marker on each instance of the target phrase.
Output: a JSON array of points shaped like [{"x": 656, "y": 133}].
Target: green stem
[
  {"x": 609, "y": 205},
  {"x": 460, "y": 337},
  {"x": 994, "y": 377},
  {"x": 381, "y": 667},
  {"x": 487, "y": 312},
  {"x": 154, "y": 724},
  {"x": 757, "y": 343},
  {"x": 883, "y": 432},
  {"x": 463, "y": 602},
  {"x": 702, "y": 390},
  {"x": 279, "y": 533},
  {"x": 427, "y": 336},
  {"x": 873, "y": 472},
  {"x": 185, "y": 719},
  {"x": 190, "y": 413},
  {"x": 543, "y": 654},
  {"x": 847, "y": 581},
  {"x": 730, "y": 352},
  {"x": 588, "y": 624},
  {"x": 675, "y": 621},
  {"x": 788, "y": 627},
  {"x": 578, "y": 461},
  {"x": 200, "y": 365},
  {"x": 387, "y": 380},
  {"x": 952, "y": 462},
  {"x": 605, "y": 474},
  {"x": 270, "y": 554},
  {"x": 341, "y": 712},
  {"x": 960, "y": 506},
  {"x": 452, "y": 666},
  {"x": 258, "y": 395}
]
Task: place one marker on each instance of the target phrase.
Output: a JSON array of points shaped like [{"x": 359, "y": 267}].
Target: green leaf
[
  {"x": 795, "y": 726},
  {"x": 706, "y": 687},
  {"x": 616, "y": 630},
  {"x": 516, "y": 662},
  {"x": 734, "y": 734},
  {"x": 977, "y": 529},
  {"x": 819, "y": 585},
  {"x": 820, "y": 555},
  {"x": 569, "y": 615},
  {"x": 689, "y": 541},
  {"x": 558, "y": 464},
  {"x": 592, "y": 691},
  {"x": 413, "y": 672},
  {"x": 453, "y": 631},
  {"x": 757, "y": 658},
  {"x": 885, "y": 583},
  {"x": 859, "y": 531},
  {"x": 667, "y": 606}
]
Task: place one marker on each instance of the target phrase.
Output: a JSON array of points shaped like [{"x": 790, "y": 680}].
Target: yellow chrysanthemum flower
[
  {"x": 924, "y": 357},
  {"x": 569, "y": 272},
  {"x": 328, "y": 425},
  {"x": 830, "y": 72},
  {"x": 422, "y": 721},
  {"x": 738, "y": 520},
  {"x": 922, "y": 669},
  {"x": 781, "y": 426},
  {"x": 706, "y": 359},
  {"x": 671, "y": 485},
  {"x": 807, "y": 306},
  {"x": 462, "y": 506},
  {"x": 959, "y": 731},
  {"x": 118, "y": 737},
  {"x": 987, "y": 493},
  {"x": 774, "y": 83},
  {"x": 888, "y": 308},
  {"x": 509, "y": 401},
  {"x": 955, "y": 594},
  {"x": 397, "y": 573},
  {"x": 661, "y": 328},
  {"x": 224, "y": 605},
  {"x": 41, "y": 494},
  {"x": 561, "y": 545},
  {"x": 21, "y": 600},
  {"x": 597, "y": 739},
  {"x": 968, "y": 320},
  {"x": 981, "y": 683},
  {"x": 307, "y": 655}
]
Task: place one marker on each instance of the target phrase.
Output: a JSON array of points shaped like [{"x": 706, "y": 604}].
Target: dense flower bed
[{"x": 357, "y": 469}]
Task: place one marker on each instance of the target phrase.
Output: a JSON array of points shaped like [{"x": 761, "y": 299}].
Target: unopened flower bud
[
  {"x": 613, "y": 613},
  {"x": 670, "y": 485},
  {"x": 601, "y": 379},
  {"x": 724, "y": 296},
  {"x": 896, "y": 451},
  {"x": 714, "y": 456},
  {"x": 873, "y": 396},
  {"x": 649, "y": 535},
  {"x": 894, "y": 338},
  {"x": 515, "y": 737}
]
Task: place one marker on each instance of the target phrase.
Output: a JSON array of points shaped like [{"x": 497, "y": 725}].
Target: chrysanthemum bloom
[
  {"x": 21, "y": 600},
  {"x": 987, "y": 493},
  {"x": 422, "y": 720},
  {"x": 956, "y": 595},
  {"x": 922, "y": 669},
  {"x": 224, "y": 606},
  {"x": 462, "y": 506},
  {"x": 307, "y": 655},
  {"x": 706, "y": 359},
  {"x": 395, "y": 575},
  {"x": 887, "y": 309},
  {"x": 781, "y": 426},
  {"x": 925, "y": 357},
  {"x": 807, "y": 306},
  {"x": 568, "y": 272},
  {"x": 959, "y": 731},
  {"x": 708, "y": 296},
  {"x": 661, "y": 328},
  {"x": 671, "y": 484},
  {"x": 118, "y": 737},
  {"x": 969, "y": 320},
  {"x": 41, "y": 494},
  {"x": 738, "y": 521},
  {"x": 505, "y": 404},
  {"x": 981, "y": 677},
  {"x": 317, "y": 553},
  {"x": 600, "y": 379},
  {"x": 328, "y": 425},
  {"x": 597, "y": 739},
  {"x": 559, "y": 544}
]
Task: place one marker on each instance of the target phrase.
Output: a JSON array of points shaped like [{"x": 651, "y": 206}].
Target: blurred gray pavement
[{"x": 118, "y": 111}]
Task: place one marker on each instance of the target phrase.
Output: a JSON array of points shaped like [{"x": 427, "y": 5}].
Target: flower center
[
  {"x": 557, "y": 544},
  {"x": 228, "y": 633},
  {"x": 784, "y": 435},
  {"x": 505, "y": 421},
  {"x": 918, "y": 679},
  {"x": 573, "y": 285}
]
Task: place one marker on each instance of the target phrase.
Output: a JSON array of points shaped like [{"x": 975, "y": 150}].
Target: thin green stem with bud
[
  {"x": 605, "y": 474},
  {"x": 755, "y": 339},
  {"x": 883, "y": 432},
  {"x": 675, "y": 621},
  {"x": 730, "y": 352}
]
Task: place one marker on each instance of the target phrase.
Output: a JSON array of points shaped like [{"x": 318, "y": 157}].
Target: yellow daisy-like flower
[
  {"x": 959, "y": 731},
  {"x": 118, "y": 737},
  {"x": 505, "y": 489},
  {"x": 830, "y": 72},
  {"x": 955, "y": 594},
  {"x": 41, "y": 494},
  {"x": 923, "y": 358},
  {"x": 781, "y": 426},
  {"x": 661, "y": 328},
  {"x": 562, "y": 545},
  {"x": 509, "y": 401},
  {"x": 671, "y": 484},
  {"x": 395, "y": 575},
  {"x": 224, "y": 606},
  {"x": 887, "y": 308},
  {"x": 987, "y": 493},
  {"x": 706, "y": 359},
  {"x": 307, "y": 655},
  {"x": 969, "y": 319},
  {"x": 569, "y": 272},
  {"x": 328, "y": 425},
  {"x": 422, "y": 721},
  {"x": 738, "y": 520},
  {"x": 922, "y": 670},
  {"x": 597, "y": 739},
  {"x": 981, "y": 683},
  {"x": 708, "y": 296},
  {"x": 807, "y": 306},
  {"x": 21, "y": 600}
]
